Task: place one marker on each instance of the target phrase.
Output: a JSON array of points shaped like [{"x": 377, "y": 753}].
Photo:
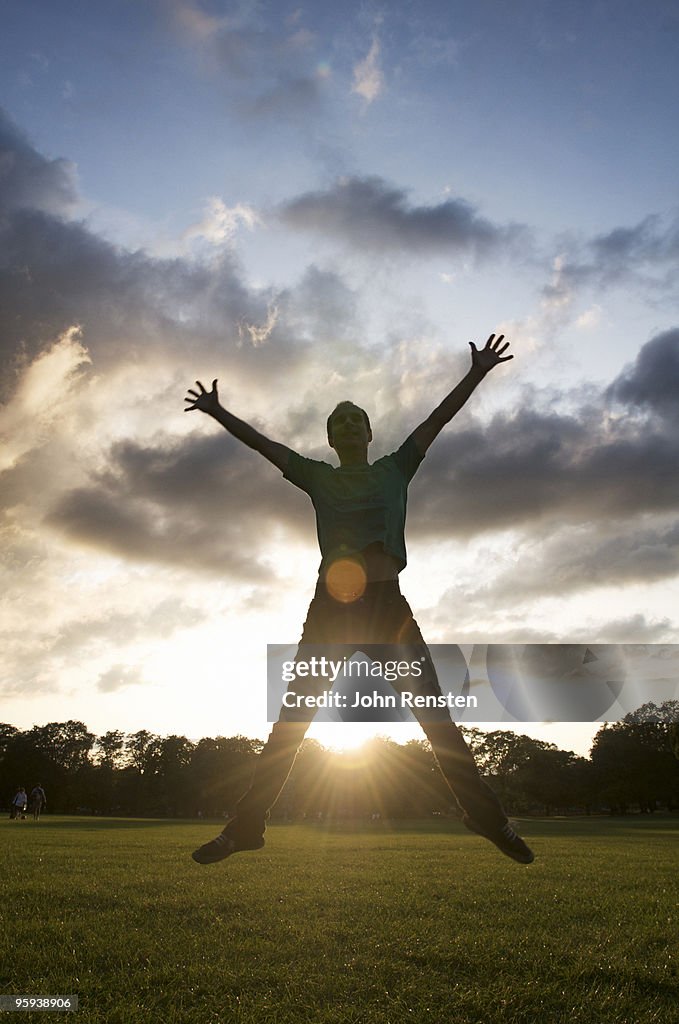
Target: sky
[{"x": 312, "y": 204}]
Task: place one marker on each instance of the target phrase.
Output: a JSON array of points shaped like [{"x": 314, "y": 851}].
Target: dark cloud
[
  {"x": 28, "y": 179},
  {"x": 55, "y": 273},
  {"x": 652, "y": 381},
  {"x": 534, "y": 470},
  {"x": 377, "y": 217},
  {"x": 323, "y": 307},
  {"x": 581, "y": 558},
  {"x": 206, "y": 504},
  {"x": 645, "y": 254},
  {"x": 650, "y": 241},
  {"x": 564, "y": 481},
  {"x": 540, "y": 466}
]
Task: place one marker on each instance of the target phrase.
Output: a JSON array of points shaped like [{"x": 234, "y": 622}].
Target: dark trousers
[{"x": 382, "y": 617}]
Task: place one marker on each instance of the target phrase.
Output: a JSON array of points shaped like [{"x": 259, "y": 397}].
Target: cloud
[
  {"x": 637, "y": 628},
  {"x": 119, "y": 677},
  {"x": 221, "y": 222},
  {"x": 56, "y": 273},
  {"x": 104, "y": 468},
  {"x": 184, "y": 503},
  {"x": 286, "y": 96},
  {"x": 652, "y": 382},
  {"x": 649, "y": 241},
  {"x": 586, "y": 556},
  {"x": 589, "y": 319},
  {"x": 540, "y": 466},
  {"x": 258, "y": 334},
  {"x": 270, "y": 70},
  {"x": 575, "y": 488},
  {"x": 42, "y": 398},
  {"x": 193, "y": 21},
  {"x": 645, "y": 255},
  {"x": 118, "y": 626},
  {"x": 368, "y": 79},
  {"x": 29, "y": 179},
  {"x": 374, "y": 216}
]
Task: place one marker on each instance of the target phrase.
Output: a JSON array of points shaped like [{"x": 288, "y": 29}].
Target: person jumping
[{"x": 360, "y": 516}]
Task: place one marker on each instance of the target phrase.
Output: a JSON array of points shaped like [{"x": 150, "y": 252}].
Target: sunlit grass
[{"x": 335, "y": 924}]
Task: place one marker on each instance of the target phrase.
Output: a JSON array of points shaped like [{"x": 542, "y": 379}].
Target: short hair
[{"x": 339, "y": 406}]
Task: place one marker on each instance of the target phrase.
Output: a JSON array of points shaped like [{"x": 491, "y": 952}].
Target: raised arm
[
  {"x": 208, "y": 401},
  {"x": 483, "y": 360}
]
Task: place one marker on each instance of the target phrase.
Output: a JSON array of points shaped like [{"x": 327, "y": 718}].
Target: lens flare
[{"x": 346, "y": 580}]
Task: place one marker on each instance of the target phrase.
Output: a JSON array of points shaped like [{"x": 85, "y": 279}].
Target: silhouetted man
[
  {"x": 38, "y": 801},
  {"x": 360, "y": 516}
]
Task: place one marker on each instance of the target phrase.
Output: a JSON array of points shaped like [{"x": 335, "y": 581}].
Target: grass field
[{"x": 331, "y": 924}]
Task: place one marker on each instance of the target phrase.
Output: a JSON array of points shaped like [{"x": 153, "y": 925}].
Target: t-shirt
[{"x": 358, "y": 505}]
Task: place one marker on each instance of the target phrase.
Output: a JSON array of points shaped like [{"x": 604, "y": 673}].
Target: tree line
[{"x": 633, "y": 766}]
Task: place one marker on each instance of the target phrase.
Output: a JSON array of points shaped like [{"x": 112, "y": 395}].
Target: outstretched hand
[
  {"x": 206, "y": 401},
  {"x": 491, "y": 354}
]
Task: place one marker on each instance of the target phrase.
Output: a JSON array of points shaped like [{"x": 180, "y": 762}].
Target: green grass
[{"x": 332, "y": 925}]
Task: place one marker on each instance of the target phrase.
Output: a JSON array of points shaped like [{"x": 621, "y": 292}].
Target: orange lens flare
[{"x": 346, "y": 580}]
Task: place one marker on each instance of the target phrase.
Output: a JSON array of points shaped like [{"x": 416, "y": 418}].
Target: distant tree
[
  {"x": 311, "y": 789},
  {"x": 12, "y": 764},
  {"x": 172, "y": 772},
  {"x": 501, "y": 755},
  {"x": 58, "y": 755},
  {"x": 7, "y": 734},
  {"x": 667, "y": 711},
  {"x": 141, "y": 751},
  {"x": 109, "y": 758},
  {"x": 67, "y": 744},
  {"x": 110, "y": 748},
  {"x": 634, "y": 766},
  {"x": 546, "y": 779},
  {"x": 674, "y": 738},
  {"x": 220, "y": 771},
  {"x": 423, "y": 789},
  {"x": 501, "y": 752},
  {"x": 137, "y": 785}
]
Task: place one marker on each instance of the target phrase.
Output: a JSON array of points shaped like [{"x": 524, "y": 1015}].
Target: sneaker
[
  {"x": 506, "y": 840},
  {"x": 225, "y": 844}
]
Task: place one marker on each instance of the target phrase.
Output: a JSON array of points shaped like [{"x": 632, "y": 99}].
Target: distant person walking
[
  {"x": 38, "y": 801},
  {"x": 360, "y": 515},
  {"x": 19, "y": 803}
]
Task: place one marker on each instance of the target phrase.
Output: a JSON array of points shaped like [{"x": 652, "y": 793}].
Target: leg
[
  {"x": 271, "y": 772},
  {"x": 246, "y": 830},
  {"x": 456, "y": 763},
  {"x": 483, "y": 812},
  {"x": 455, "y": 760},
  {"x": 278, "y": 756}
]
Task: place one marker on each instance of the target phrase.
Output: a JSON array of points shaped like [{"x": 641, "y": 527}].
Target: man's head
[{"x": 348, "y": 423}]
